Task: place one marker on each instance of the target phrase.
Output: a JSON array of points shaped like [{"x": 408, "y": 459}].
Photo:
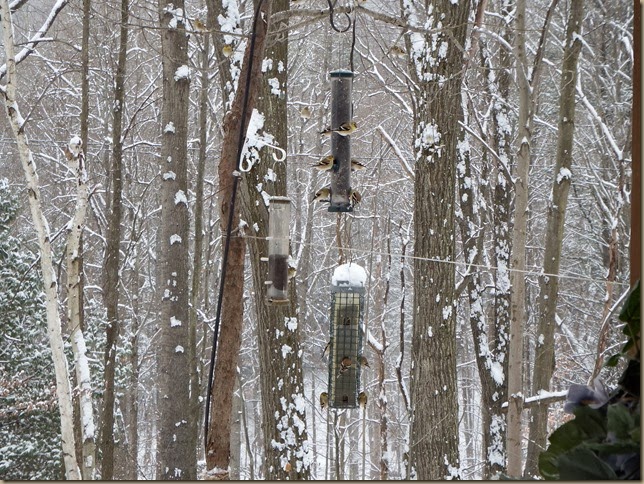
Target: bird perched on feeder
[
  {"x": 325, "y": 164},
  {"x": 345, "y": 364},
  {"x": 363, "y": 361},
  {"x": 355, "y": 197},
  {"x": 326, "y": 348},
  {"x": 356, "y": 165},
  {"x": 362, "y": 399},
  {"x": 345, "y": 129},
  {"x": 292, "y": 267},
  {"x": 322, "y": 195},
  {"x": 324, "y": 399}
]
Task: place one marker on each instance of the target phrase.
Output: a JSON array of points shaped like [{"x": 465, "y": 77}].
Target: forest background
[{"x": 494, "y": 225}]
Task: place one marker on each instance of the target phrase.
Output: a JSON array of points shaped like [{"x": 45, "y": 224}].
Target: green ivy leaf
[
  {"x": 631, "y": 309},
  {"x": 620, "y": 421},
  {"x": 581, "y": 463}
]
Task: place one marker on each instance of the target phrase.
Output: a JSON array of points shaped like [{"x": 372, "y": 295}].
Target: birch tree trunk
[
  {"x": 434, "y": 400},
  {"x": 74, "y": 311},
  {"x": 61, "y": 370},
  {"x": 548, "y": 284},
  {"x": 176, "y": 458},
  {"x": 112, "y": 254}
]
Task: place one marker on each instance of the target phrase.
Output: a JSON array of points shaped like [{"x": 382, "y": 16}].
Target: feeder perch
[
  {"x": 341, "y": 112},
  {"x": 345, "y": 343},
  {"x": 279, "y": 217}
]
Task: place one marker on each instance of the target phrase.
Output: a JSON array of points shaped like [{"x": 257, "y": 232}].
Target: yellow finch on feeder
[
  {"x": 355, "y": 197},
  {"x": 363, "y": 361},
  {"x": 322, "y": 195},
  {"x": 325, "y": 164},
  {"x": 345, "y": 364},
  {"x": 356, "y": 165},
  {"x": 324, "y": 399},
  {"x": 362, "y": 399},
  {"x": 345, "y": 129}
]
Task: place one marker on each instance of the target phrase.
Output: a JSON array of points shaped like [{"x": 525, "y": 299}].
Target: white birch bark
[
  {"x": 76, "y": 159},
  {"x": 63, "y": 386}
]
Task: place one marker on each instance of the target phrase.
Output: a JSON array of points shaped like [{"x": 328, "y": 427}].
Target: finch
[
  {"x": 355, "y": 197},
  {"x": 324, "y": 399},
  {"x": 362, "y": 399},
  {"x": 322, "y": 195},
  {"x": 396, "y": 51},
  {"x": 227, "y": 50},
  {"x": 325, "y": 164},
  {"x": 305, "y": 112},
  {"x": 356, "y": 165},
  {"x": 345, "y": 364},
  {"x": 326, "y": 348},
  {"x": 363, "y": 361},
  {"x": 345, "y": 129}
]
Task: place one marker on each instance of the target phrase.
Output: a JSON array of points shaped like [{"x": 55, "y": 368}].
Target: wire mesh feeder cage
[{"x": 346, "y": 331}]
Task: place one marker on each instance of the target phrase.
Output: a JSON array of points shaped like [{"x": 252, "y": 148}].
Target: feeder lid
[
  {"x": 349, "y": 275},
  {"x": 341, "y": 73}
]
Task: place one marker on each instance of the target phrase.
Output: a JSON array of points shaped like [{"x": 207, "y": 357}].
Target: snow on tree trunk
[
  {"x": 286, "y": 440},
  {"x": 438, "y": 62},
  {"x": 218, "y": 444},
  {"x": 76, "y": 159},
  {"x": 176, "y": 458},
  {"x": 63, "y": 386},
  {"x": 556, "y": 216}
]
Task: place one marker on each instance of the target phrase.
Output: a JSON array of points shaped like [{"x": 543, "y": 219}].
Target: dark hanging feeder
[
  {"x": 279, "y": 217},
  {"x": 345, "y": 344},
  {"x": 341, "y": 115}
]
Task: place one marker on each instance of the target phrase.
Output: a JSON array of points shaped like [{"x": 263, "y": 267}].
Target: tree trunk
[
  {"x": 218, "y": 442},
  {"x": 176, "y": 458},
  {"x": 549, "y": 283},
  {"x": 112, "y": 254},
  {"x": 278, "y": 327},
  {"x": 61, "y": 370},
  {"x": 434, "y": 400}
]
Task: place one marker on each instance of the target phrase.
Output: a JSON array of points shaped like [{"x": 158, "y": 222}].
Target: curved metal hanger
[{"x": 332, "y": 15}]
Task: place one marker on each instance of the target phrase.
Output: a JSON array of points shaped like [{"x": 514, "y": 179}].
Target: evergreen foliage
[{"x": 30, "y": 445}]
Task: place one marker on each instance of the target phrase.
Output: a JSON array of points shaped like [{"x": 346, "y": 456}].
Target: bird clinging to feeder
[
  {"x": 356, "y": 165},
  {"x": 362, "y": 399},
  {"x": 355, "y": 197},
  {"x": 363, "y": 361},
  {"x": 324, "y": 399},
  {"x": 326, "y": 348},
  {"x": 325, "y": 164},
  {"x": 345, "y": 129},
  {"x": 345, "y": 364},
  {"x": 322, "y": 195}
]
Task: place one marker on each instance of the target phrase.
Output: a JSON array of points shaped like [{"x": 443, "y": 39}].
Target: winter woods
[{"x": 491, "y": 194}]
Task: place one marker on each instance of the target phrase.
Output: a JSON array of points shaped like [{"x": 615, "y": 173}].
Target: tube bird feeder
[
  {"x": 341, "y": 114},
  {"x": 279, "y": 217},
  {"x": 345, "y": 343}
]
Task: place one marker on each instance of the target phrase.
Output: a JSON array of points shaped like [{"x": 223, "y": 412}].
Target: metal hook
[
  {"x": 247, "y": 163},
  {"x": 332, "y": 14}
]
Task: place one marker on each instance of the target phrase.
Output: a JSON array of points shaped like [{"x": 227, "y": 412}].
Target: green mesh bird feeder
[{"x": 346, "y": 331}]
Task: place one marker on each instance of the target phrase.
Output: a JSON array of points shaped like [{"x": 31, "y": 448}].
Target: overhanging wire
[{"x": 224, "y": 263}]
